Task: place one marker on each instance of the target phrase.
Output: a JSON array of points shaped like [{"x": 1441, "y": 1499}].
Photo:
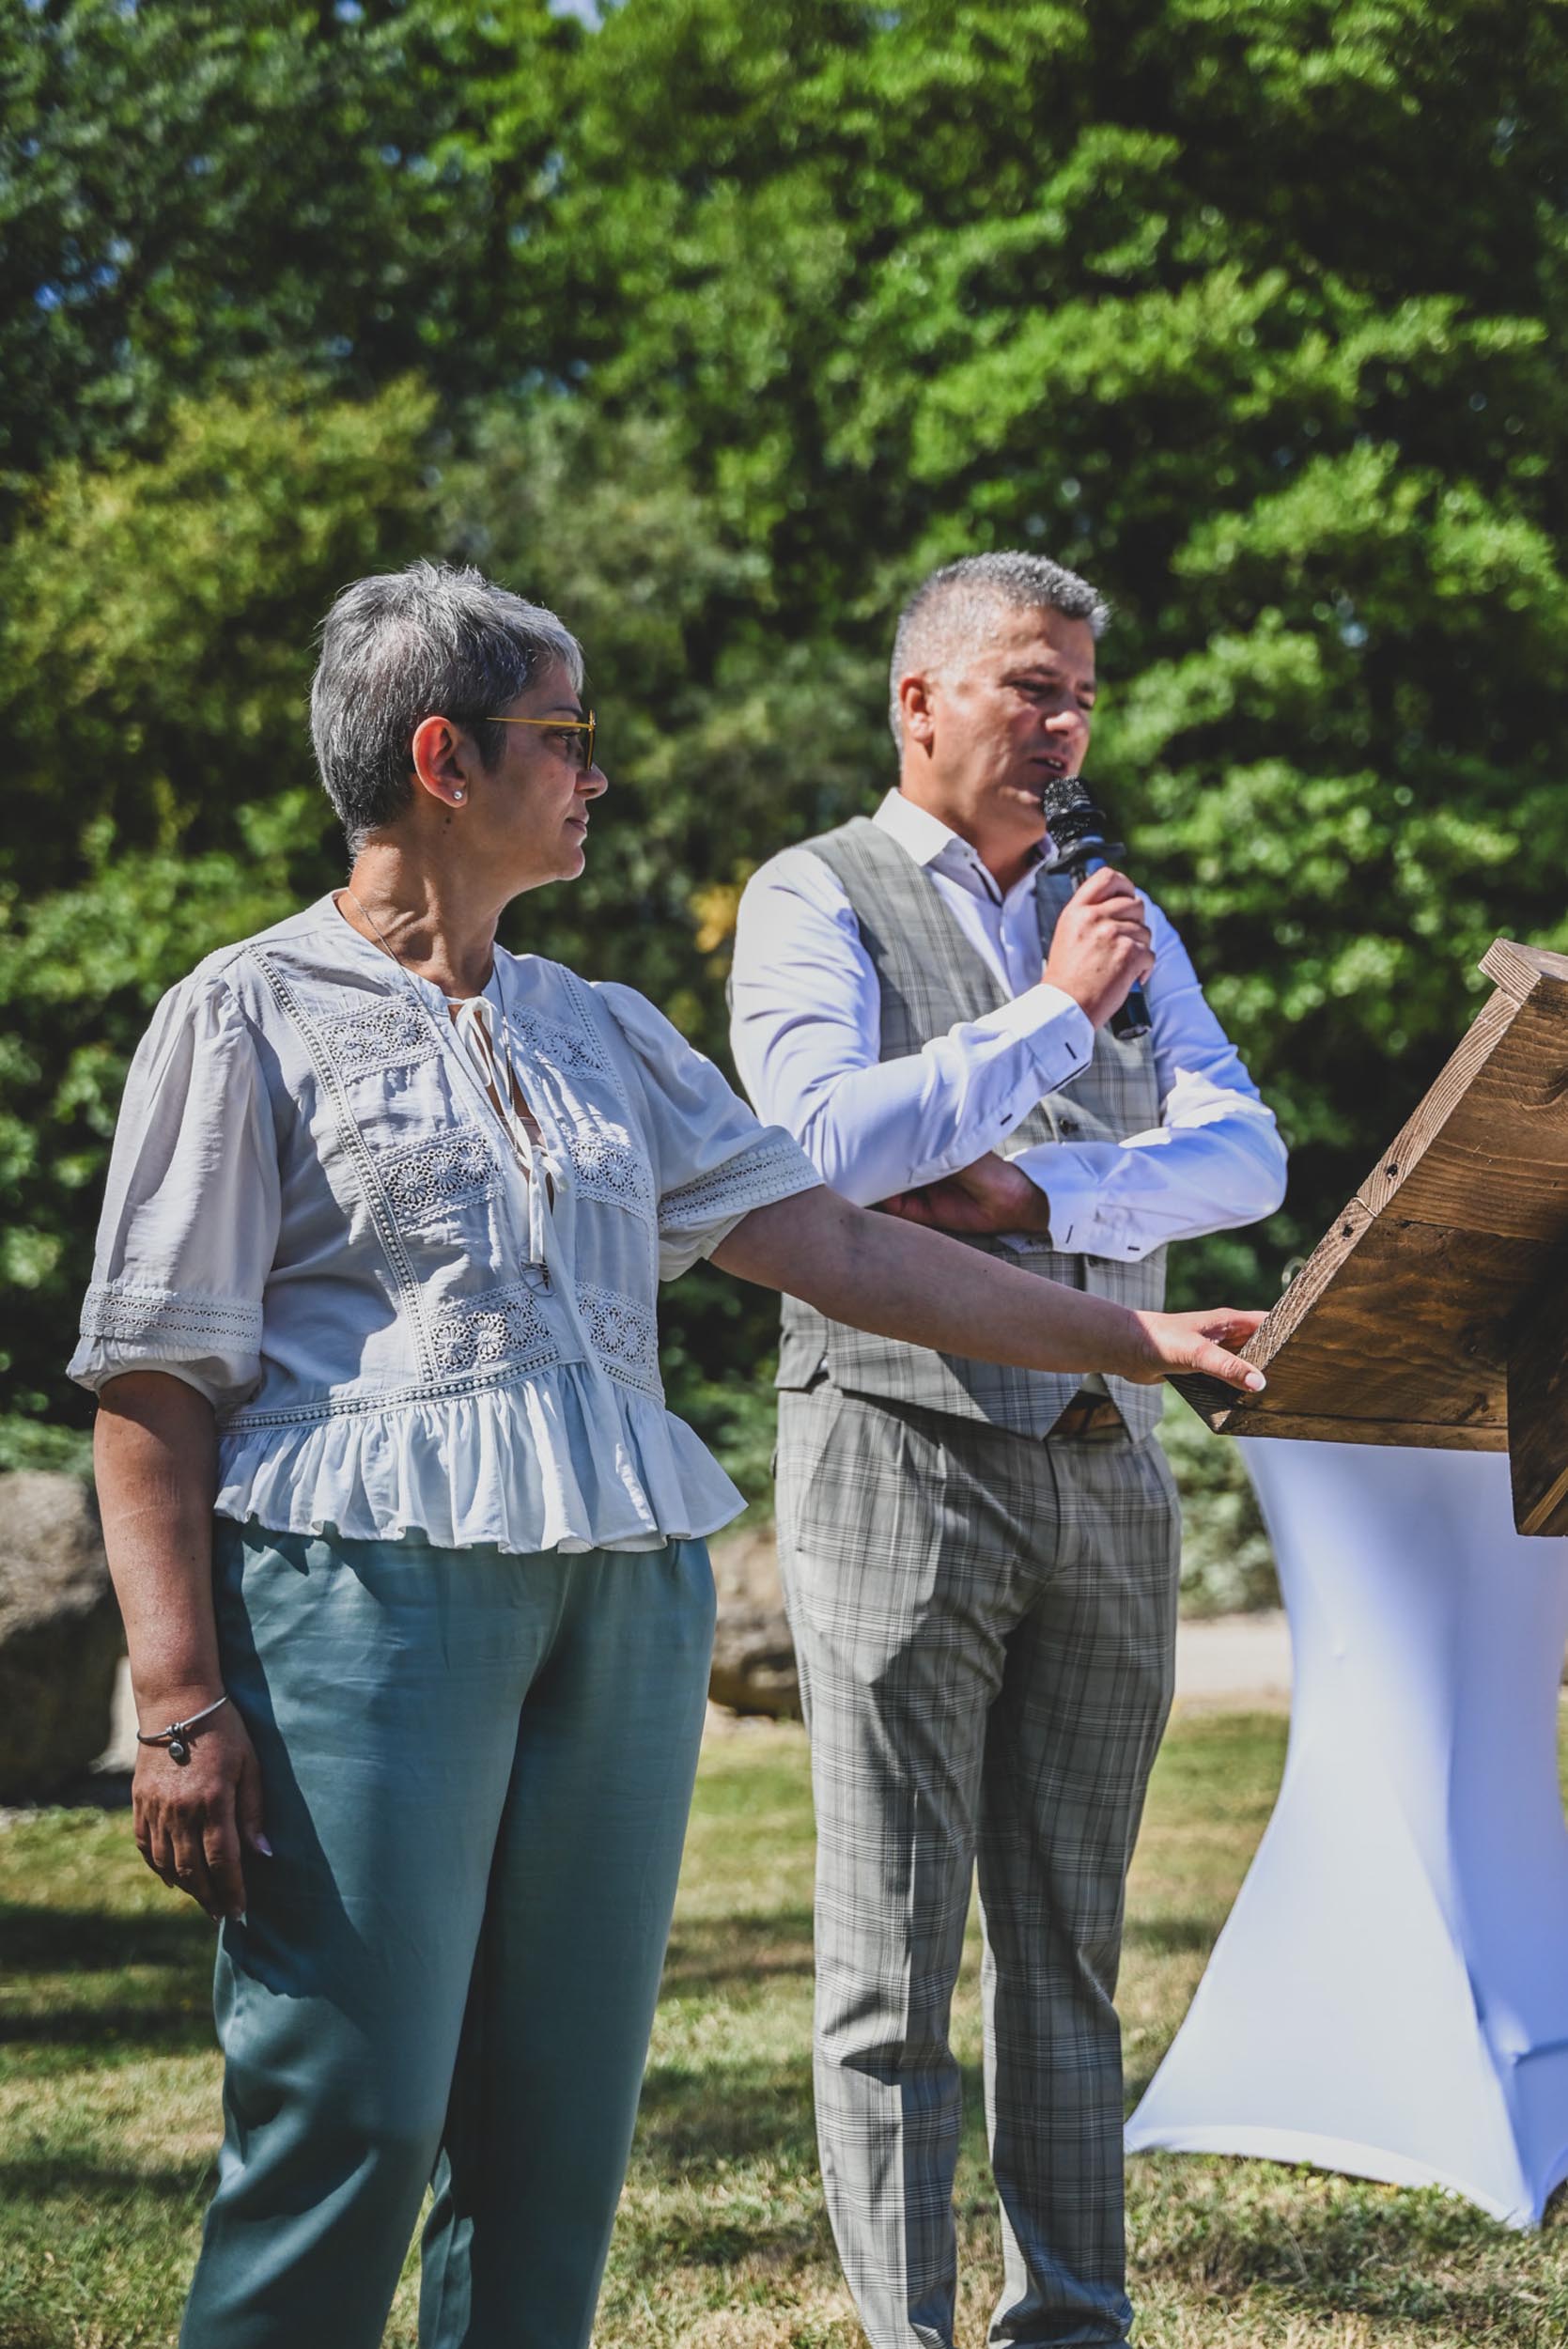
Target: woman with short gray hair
[{"x": 410, "y": 1553}]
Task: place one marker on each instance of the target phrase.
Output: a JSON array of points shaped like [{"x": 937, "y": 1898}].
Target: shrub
[{"x": 1227, "y": 1564}]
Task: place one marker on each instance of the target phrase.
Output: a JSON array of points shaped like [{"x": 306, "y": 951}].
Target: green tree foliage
[
  {"x": 189, "y": 190},
  {"x": 1250, "y": 311},
  {"x": 155, "y": 651},
  {"x": 716, "y": 327}
]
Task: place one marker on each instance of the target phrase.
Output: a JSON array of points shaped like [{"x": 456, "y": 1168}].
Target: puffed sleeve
[
  {"x": 190, "y": 1222},
  {"x": 713, "y": 1161}
]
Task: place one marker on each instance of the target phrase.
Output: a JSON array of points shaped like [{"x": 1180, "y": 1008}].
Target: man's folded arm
[
  {"x": 804, "y": 1032},
  {"x": 1215, "y": 1160}
]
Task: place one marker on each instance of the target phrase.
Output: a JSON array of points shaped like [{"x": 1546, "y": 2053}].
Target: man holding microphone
[{"x": 981, "y": 1564}]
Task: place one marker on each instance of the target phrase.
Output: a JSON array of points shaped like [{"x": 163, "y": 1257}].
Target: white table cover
[{"x": 1390, "y": 1995}]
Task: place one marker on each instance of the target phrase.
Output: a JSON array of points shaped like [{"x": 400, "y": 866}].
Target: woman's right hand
[
  {"x": 1197, "y": 1342},
  {"x": 196, "y": 1821}
]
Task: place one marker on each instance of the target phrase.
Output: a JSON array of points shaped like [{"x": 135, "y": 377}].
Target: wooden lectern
[
  {"x": 1435, "y": 1311},
  {"x": 1389, "y": 1996}
]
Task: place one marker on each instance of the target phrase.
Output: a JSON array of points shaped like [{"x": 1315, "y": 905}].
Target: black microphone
[{"x": 1080, "y": 846}]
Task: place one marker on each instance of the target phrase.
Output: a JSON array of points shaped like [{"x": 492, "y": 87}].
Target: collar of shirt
[
  {"x": 932, "y": 843},
  {"x": 1005, "y": 930}
]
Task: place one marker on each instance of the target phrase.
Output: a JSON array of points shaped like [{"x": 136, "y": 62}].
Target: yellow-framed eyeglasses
[{"x": 584, "y": 726}]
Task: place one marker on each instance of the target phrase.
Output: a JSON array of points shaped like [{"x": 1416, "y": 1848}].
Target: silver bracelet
[{"x": 175, "y": 1740}]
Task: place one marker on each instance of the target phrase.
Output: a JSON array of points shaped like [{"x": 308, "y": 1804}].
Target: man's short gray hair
[
  {"x": 950, "y": 613},
  {"x": 433, "y": 641}
]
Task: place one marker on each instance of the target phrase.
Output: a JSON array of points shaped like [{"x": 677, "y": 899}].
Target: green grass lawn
[{"x": 109, "y": 2103}]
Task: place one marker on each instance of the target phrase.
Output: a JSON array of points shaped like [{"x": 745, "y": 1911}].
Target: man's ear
[
  {"x": 439, "y": 752},
  {"x": 914, "y": 705}
]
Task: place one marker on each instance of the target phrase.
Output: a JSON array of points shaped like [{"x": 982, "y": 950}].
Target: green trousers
[{"x": 477, "y": 1771}]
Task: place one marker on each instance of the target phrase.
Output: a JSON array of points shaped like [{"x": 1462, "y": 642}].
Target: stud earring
[{"x": 457, "y": 795}]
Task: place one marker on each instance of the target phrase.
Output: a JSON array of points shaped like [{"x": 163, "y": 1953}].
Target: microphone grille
[
  {"x": 1064, "y": 792},
  {"x": 1064, "y": 796}
]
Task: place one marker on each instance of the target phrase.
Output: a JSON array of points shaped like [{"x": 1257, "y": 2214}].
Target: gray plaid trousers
[{"x": 986, "y": 1629}]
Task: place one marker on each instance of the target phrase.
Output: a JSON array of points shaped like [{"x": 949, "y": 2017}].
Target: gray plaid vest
[{"x": 931, "y": 978}]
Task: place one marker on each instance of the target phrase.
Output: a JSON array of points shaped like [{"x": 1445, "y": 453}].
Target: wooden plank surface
[
  {"x": 1538, "y": 1403},
  {"x": 1495, "y": 1156},
  {"x": 1398, "y": 1329},
  {"x": 1315, "y": 1428}
]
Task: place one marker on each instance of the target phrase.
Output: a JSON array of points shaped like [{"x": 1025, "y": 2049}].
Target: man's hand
[
  {"x": 992, "y": 1195},
  {"x": 1101, "y": 946}
]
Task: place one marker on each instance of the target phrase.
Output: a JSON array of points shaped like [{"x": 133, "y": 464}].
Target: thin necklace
[
  {"x": 392, "y": 950},
  {"x": 375, "y": 925}
]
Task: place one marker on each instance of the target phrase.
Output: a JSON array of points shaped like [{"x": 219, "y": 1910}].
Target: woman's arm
[
  {"x": 155, "y": 1460},
  {"x": 879, "y": 1273}
]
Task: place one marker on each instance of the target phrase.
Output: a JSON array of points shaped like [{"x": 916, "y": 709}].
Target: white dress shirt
[{"x": 805, "y": 1035}]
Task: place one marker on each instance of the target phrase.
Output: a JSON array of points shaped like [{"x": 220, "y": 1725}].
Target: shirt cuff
[
  {"x": 1080, "y": 1224},
  {"x": 1054, "y": 1026}
]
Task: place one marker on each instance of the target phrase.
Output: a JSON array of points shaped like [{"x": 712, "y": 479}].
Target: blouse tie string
[
  {"x": 483, "y": 1031},
  {"x": 493, "y": 1057}
]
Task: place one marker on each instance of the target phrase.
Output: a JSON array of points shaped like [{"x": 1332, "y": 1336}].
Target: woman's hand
[
  {"x": 1196, "y": 1342},
  {"x": 881, "y": 1272},
  {"x": 194, "y": 1821},
  {"x": 155, "y": 1451}
]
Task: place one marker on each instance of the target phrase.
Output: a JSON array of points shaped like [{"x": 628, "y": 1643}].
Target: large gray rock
[
  {"x": 754, "y": 1657},
  {"x": 60, "y": 1636}
]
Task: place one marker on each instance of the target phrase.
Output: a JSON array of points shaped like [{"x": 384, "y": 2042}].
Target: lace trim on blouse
[
  {"x": 625, "y": 1336},
  {"x": 499, "y": 1325},
  {"x": 577, "y": 1048},
  {"x": 749, "y": 1181},
  {"x": 391, "y": 1034},
  {"x": 610, "y": 1170},
  {"x": 140, "y": 1316},
  {"x": 449, "y": 1170}
]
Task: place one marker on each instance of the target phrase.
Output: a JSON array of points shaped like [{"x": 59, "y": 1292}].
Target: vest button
[{"x": 1068, "y": 1125}]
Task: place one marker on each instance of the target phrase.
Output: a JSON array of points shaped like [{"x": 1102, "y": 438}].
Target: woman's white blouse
[{"x": 317, "y": 1217}]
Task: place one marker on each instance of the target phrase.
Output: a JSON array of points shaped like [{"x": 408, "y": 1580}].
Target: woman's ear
[{"x": 440, "y": 751}]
